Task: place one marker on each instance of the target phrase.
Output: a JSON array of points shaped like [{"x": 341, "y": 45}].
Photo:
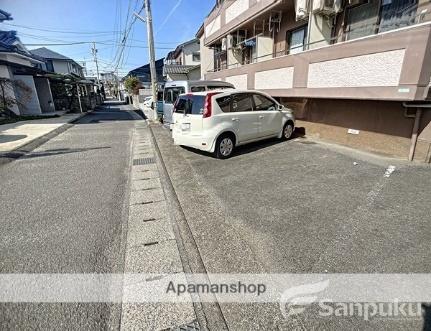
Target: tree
[
  {"x": 8, "y": 90},
  {"x": 64, "y": 88},
  {"x": 132, "y": 85}
]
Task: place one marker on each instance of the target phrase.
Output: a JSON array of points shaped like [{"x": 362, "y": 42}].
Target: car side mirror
[{"x": 280, "y": 107}]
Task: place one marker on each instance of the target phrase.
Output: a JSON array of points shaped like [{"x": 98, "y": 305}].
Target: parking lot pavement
[{"x": 301, "y": 207}]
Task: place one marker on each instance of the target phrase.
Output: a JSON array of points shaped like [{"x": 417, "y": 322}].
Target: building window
[
  {"x": 196, "y": 57},
  {"x": 379, "y": 16},
  {"x": 396, "y": 14},
  {"x": 297, "y": 40},
  {"x": 49, "y": 66}
]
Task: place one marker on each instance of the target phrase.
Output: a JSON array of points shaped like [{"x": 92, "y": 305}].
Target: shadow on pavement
[
  {"x": 107, "y": 115},
  {"x": 113, "y": 102},
  {"x": 52, "y": 152},
  {"x": 427, "y": 317},
  {"x": 6, "y": 138},
  {"x": 251, "y": 147}
]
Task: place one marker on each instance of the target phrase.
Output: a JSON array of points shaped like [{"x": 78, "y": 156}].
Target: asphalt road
[
  {"x": 63, "y": 211},
  {"x": 302, "y": 207}
]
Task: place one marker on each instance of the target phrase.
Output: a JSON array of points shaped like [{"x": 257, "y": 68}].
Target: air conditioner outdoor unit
[
  {"x": 229, "y": 41},
  {"x": 301, "y": 9},
  {"x": 326, "y": 7},
  {"x": 224, "y": 44}
]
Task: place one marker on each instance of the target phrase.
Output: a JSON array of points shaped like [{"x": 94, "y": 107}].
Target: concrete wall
[
  {"x": 239, "y": 81},
  {"x": 5, "y": 72},
  {"x": 15, "y": 59},
  {"x": 44, "y": 94},
  {"x": 375, "y": 67},
  {"x": 32, "y": 106},
  {"x": 378, "y": 69},
  {"x": 195, "y": 74},
  {"x": 213, "y": 26},
  {"x": 236, "y": 9},
  {"x": 382, "y": 126},
  {"x": 207, "y": 58}
]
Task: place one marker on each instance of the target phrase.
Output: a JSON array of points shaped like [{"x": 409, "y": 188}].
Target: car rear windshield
[
  {"x": 190, "y": 104},
  {"x": 171, "y": 93}
]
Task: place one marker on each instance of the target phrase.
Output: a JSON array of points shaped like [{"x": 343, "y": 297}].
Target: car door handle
[
  {"x": 261, "y": 116},
  {"x": 235, "y": 119}
]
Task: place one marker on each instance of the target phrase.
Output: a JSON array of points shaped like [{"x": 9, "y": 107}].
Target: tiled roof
[
  {"x": 9, "y": 42},
  {"x": 143, "y": 72},
  {"x": 48, "y": 54},
  {"x": 7, "y": 38},
  {"x": 178, "y": 69},
  {"x": 5, "y": 16}
]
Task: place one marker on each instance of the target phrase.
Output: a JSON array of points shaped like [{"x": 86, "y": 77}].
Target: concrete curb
[
  {"x": 209, "y": 314},
  {"x": 22, "y": 150}
]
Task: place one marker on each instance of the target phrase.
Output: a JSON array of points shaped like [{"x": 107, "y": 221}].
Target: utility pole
[
  {"x": 118, "y": 86},
  {"x": 94, "y": 51},
  {"x": 149, "y": 21},
  {"x": 79, "y": 97}
]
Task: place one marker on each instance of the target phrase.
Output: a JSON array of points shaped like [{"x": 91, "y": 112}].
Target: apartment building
[{"x": 356, "y": 72}]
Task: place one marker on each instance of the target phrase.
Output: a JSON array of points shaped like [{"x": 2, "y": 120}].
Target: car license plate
[{"x": 185, "y": 126}]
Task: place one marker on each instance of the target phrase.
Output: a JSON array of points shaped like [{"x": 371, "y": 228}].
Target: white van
[
  {"x": 173, "y": 89},
  {"x": 218, "y": 121}
]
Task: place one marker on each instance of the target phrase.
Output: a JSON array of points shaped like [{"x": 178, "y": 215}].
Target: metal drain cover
[
  {"x": 192, "y": 326},
  {"x": 145, "y": 160}
]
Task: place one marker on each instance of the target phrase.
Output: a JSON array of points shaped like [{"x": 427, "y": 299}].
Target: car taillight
[
  {"x": 208, "y": 105},
  {"x": 175, "y": 105}
]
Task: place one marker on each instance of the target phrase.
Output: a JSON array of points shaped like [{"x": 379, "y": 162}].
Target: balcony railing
[{"x": 363, "y": 30}]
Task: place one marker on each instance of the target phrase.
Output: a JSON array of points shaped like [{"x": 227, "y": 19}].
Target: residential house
[
  {"x": 355, "y": 72},
  {"x": 110, "y": 82},
  {"x": 67, "y": 68},
  {"x": 184, "y": 62},
  {"x": 144, "y": 75},
  {"x": 58, "y": 63},
  {"x": 27, "y": 84}
]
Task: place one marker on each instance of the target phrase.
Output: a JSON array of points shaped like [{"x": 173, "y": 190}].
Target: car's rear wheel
[
  {"x": 224, "y": 146},
  {"x": 287, "y": 131}
]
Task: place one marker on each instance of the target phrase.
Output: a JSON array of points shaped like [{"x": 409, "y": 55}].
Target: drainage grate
[
  {"x": 145, "y": 160},
  {"x": 192, "y": 326}
]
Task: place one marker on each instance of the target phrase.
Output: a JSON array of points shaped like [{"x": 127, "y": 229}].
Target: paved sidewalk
[
  {"x": 15, "y": 135},
  {"x": 151, "y": 244}
]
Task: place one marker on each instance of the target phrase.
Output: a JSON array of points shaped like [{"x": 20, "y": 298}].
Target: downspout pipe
[{"x": 415, "y": 132}]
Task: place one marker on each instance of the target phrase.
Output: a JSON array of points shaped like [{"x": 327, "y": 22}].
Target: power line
[
  {"x": 90, "y": 42},
  {"x": 61, "y": 31}
]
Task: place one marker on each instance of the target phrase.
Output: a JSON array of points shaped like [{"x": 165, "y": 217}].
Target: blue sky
[{"x": 104, "y": 21}]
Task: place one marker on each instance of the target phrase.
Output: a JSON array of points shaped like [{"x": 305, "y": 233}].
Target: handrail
[{"x": 332, "y": 40}]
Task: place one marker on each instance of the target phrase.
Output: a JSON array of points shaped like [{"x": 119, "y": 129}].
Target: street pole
[
  {"x": 94, "y": 51},
  {"x": 149, "y": 22},
  {"x": 79, "y": 97},
  {"x": 118, "y": 86}
]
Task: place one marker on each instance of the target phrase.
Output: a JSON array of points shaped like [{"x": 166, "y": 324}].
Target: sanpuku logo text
[{"x": 295, "y": 300}]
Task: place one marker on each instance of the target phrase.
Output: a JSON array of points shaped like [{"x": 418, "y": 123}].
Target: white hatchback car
[{"x": 218, "y": 121}]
